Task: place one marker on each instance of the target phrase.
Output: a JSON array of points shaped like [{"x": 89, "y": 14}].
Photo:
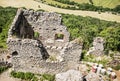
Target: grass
[
  {"x": 6, "y": 18},
  {"x": 104, "y": 3},
  {"x": 2, "y": 69},
  {"x": 33, "y": 77},
  {"x": 55, "y": 2},
  {"x": 47, "y": 77},
  {"x": 24, "y": 76},
  {"x": 91, "y": 58},
  {"x": 81, "y": 1},
  {"x": 34, "y": 5}
]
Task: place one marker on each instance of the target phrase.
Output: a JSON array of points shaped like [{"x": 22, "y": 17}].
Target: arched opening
[{"x": 15, "y": 53}]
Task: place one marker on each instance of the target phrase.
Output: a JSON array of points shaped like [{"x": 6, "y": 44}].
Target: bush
[
  {"x": 116, "y": 67},
  {"x": 83, "y": 54},
  {"x": 24, "y": 76},
  {"x": 32, "y": 77},
  {"x": 48, "y": 77},
  {"x": 2, "y": 69},
  {"x": 29, "y": 76}
]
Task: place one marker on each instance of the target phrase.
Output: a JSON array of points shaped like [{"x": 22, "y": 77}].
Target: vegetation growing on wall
[{"x": 36, "y": 35}]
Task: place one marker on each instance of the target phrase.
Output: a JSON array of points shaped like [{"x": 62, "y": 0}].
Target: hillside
[
  {"x": 104, "y": 3},
  {"x": 78, "y": 26},
  {"x": 84, "y": 28},
  {"x": 27, "y": 4},
  {"x": 89, "y": 5},
  {"x": 6, "y": 17}
]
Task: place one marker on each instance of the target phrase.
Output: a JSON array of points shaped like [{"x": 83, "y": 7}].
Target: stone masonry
[
  {"x": 50, "y": 51},
  {"x": 98, "y": 47}
]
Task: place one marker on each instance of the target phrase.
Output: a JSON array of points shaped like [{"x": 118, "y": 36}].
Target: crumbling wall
[
  {"x": 98, "y": 47},
  {"x": 27, "y": 57},
  {"x": 25, "y": 53},
  {"x": 48, "y": 25},
  {"x": 20, "y": 27},
  {"x": 49, "y": 53}
]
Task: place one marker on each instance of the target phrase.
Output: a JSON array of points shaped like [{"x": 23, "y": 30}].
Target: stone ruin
[
  {"x": 98, "y": 47},
  {"x": 39, "y": 43}
]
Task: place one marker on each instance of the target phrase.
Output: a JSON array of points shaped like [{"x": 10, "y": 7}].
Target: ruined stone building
[
  {"x": 38, "y": 42},
  {"x": 98, "y": 47}
]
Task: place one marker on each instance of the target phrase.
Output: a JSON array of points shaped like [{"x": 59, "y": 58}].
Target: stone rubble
[{"x": 70, "y": 75}]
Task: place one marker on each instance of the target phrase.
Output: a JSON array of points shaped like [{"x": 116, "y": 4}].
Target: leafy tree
[
  {"x": 112, "y": 36},
  {"x": 117, "y": 9},
  {"x": 88, "y": 28},
  {"x": 91, "y": 1}
]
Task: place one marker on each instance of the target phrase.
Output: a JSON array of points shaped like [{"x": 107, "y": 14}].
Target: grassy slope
[
  {"x": 6, "y": 17},
  {"x": 81, "y": 1},
  {"x": 77, "y": 25},
  {"x": 27, "y": 4},
  {"x": 104, "y": 3},
  {"x": 54, "y": 2}
]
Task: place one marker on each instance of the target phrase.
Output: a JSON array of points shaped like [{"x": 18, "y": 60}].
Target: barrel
[
  {"x": 113, "y": 75},
  {"x": 94, "y": 69},
  {"x": 99, "y": 70},
  {"x": 103, "y": 71}
]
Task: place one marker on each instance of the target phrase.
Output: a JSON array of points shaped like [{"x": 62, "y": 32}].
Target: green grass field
[
  {"x": 104, "y": 3},
  {"x": 55, "y": 2},
  {"x": 81, "y": 1}
]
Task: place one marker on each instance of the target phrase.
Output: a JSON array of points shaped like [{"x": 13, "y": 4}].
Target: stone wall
[
  {"x": 46, "y": 54},
  {"x": 48, "y": 25},
  {"x": 98, "y": 47}
]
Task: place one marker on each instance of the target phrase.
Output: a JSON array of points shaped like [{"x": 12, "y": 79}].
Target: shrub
[
  {"x": 2, "y": 69},
  {"x": 29, "y": 76},
  {"x": 24, "y": 76},
  {"x": 83, "y": 54},
  {"x": 32, "y": 77},
  {"x": 48, "y": 77},
  {"x": 116, "y": 67}
]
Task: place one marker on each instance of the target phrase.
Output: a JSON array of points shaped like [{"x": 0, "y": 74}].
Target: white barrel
[
  {"x": 99, "y": 70},
  {"x": 108, "y": 73},
  {"x": 113, "y": 75},
  {"x": 100, "y": 65},
  {"x": 103, "y": 71},
  {"x": 94, "y": 69},
  {"x": 109, "y": 69}
]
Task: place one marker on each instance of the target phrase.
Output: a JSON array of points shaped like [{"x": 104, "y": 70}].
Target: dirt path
[
  {"x": 5, "y": 76},
  {"x": 34, "y": 5}
]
